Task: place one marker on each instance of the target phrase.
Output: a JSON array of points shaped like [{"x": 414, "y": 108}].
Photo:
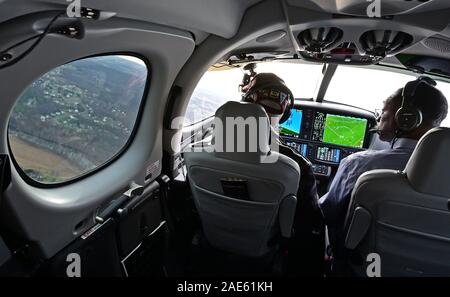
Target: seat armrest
[
  {"x": 286, "y": 215},
  {"x": 358, "y": 228}
]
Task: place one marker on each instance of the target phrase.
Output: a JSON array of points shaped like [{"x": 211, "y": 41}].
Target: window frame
[{"x": 115, "y": 157}]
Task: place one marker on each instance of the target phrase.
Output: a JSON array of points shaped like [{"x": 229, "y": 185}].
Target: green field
[{"x": 344, "y": 131}]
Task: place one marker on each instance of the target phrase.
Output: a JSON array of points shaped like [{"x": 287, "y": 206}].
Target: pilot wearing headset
[
  {"x": 406, "y": 116},
  {"x": 306, "y": 249}
]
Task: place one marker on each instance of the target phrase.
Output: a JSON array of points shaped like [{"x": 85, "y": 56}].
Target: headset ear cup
[
  {"x": 246, "y": 97},
  {"x": 408, "y": 118},
  {"x": 286, "y": 115},
  {"x": 287, "y": 112}
]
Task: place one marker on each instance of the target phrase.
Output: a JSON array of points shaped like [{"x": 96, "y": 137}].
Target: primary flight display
[{"x": 293, "y": 125}]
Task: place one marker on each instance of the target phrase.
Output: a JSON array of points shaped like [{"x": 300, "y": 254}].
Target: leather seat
[
  {"x": 244, "y": 199},
  {"x": 403, "y": 215}
]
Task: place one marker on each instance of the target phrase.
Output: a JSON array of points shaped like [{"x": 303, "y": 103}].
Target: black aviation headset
[
  {"x": 408, "y": 117},
  {"x": 273, "y": 96}
]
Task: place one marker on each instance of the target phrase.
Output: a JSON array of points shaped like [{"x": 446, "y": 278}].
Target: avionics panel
[
  {"x": 326, "y": 133},
  {"x": 318, "y": 126}
]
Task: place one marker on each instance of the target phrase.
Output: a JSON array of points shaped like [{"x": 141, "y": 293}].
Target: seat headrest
[
  {"x": 241, "y": 132},
  {"x": 428, "y": 169}
]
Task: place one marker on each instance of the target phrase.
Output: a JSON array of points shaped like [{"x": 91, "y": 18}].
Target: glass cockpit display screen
[
  {"x": 339, "y": 130},
  {"x": 293, "y": 125},
  {"x": 327, "y": 154}
]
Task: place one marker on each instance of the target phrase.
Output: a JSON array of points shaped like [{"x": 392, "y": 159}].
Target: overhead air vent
[
  {"x": 320, "y": 40},
  {"x": 382, "y": 43},
  {"x": 345, "y": 53}
]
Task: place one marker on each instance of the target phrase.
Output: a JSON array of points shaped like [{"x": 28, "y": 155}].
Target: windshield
[
  {"x": 368, "y": 87},
  {"x": 219, "y": 86},
  {"x": 301, "y": 78},
  {"x": 363, "y": 87}
]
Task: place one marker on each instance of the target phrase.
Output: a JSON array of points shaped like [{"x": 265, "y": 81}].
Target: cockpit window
[
  {"x": 219, "y": 86},
  {"x": 364, "y": 87},
  {"x": 214, "y": 89},
  {"x": 77, "y": 117},
  {"x": 367, "y": 87},
  {"x": 301, "y": 78}
]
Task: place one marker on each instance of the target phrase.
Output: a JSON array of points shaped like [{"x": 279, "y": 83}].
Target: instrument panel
[{"x": 326, "y": 135}]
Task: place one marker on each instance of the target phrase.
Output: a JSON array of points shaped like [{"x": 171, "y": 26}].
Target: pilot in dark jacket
[{"x": 306, "y": 248}]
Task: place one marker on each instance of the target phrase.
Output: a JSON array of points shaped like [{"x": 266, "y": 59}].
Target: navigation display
[
  {"x": 293, "y": 125},
  {"x": 339, "y": 130},
  {"x": 345, "y": 131}
]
